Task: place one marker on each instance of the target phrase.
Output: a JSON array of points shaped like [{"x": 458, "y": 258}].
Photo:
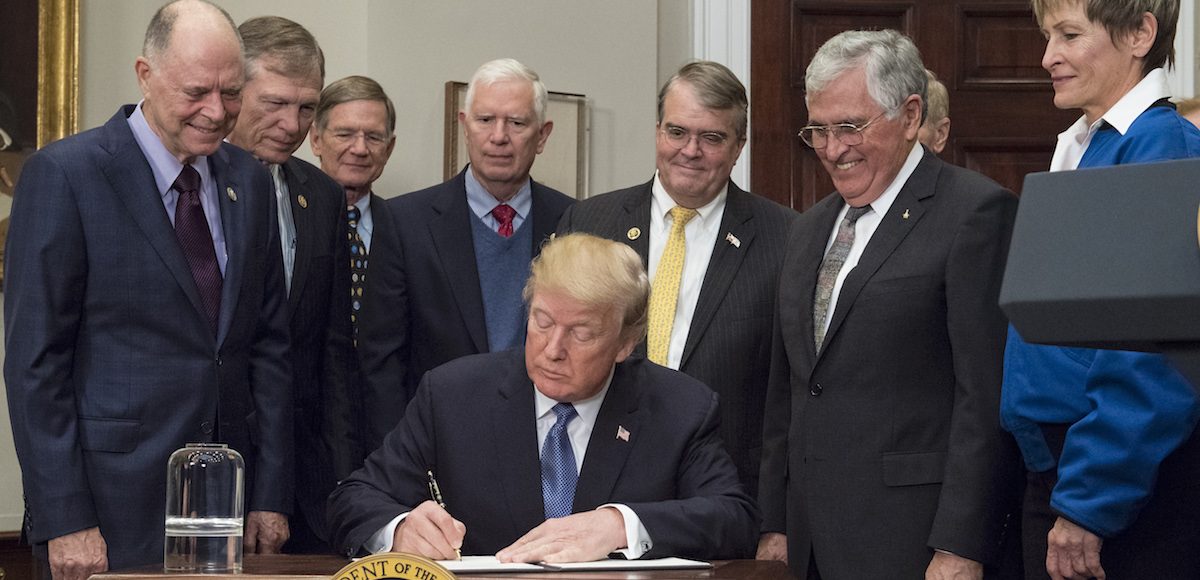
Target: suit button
[
  {"x": 218, "y": 361},
  {"x": 206, "y": 427},
  {"x": 815, "y": 390}
]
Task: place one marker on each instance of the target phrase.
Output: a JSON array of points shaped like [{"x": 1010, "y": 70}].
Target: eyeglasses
[
  {"x": 817, "y": 136},
  {"x": 374, "y": 140},
  {"x": 709, "y": 141}
]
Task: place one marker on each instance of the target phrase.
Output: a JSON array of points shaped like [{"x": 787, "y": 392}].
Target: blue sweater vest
[{"x": 503, "y": 265}]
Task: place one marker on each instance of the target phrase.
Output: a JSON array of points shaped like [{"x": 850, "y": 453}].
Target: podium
[{"x": 1110, "y": 258}]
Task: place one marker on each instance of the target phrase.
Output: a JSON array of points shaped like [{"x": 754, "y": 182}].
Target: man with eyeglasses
[
  {"x": 285, "y": 70},
  {"x": 883, "y": 454},
  {"x": 452, "y": 285},
  {"x": 713, "y": 251}
]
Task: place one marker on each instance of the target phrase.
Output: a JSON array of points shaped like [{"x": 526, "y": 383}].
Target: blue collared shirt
[
  {"x": 482, "y": 203},
  {"x": 166, "y": 169}
]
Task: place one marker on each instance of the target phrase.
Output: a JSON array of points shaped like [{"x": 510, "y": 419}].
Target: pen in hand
[{"x": 435, "y": 493}]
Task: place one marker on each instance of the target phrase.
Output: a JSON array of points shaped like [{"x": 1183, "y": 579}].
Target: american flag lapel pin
[
  {"x": 733, "y": 240},
  {"x": 622, "y": 433}
]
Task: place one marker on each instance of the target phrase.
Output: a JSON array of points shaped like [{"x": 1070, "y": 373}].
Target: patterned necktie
[
  {"x": 195, "y": 239},
  {"x": 504, "y": 214},
  {"x": 835, "y": 258},
  {"x": 358, "y": 268},
  {"x": 664, "y": 293},
  {"x": 558, "y": 465}
]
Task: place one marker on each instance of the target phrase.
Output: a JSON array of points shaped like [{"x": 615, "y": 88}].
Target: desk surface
[{"x": 289, "y": 567}]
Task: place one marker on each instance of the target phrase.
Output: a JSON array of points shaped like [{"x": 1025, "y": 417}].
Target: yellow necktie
[{"x": 664, "y": 293}]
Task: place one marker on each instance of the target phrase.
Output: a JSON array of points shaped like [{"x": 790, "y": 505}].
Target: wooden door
[{"x": 988, "y": 53}]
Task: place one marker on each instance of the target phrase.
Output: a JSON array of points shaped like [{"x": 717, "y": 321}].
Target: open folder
[{"x": 489, "y": 564}]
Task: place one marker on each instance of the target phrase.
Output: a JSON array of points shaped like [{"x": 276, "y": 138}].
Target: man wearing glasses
[
  {"x": 713, "y": 251},
  {"x": 883, "y": 455}
]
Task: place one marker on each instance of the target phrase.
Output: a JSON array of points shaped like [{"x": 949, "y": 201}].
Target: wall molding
[{"x": 721, "y": 33}]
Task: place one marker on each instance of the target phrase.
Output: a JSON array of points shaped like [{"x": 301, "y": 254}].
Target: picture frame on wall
[{"x": 563, "y": 163}]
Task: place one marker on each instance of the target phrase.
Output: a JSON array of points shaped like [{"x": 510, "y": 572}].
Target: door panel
[{"x": 1003, "y": 120}]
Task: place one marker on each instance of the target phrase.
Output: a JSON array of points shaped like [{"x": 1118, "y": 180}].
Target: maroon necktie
[
  {"x": 504, "y": 214},
  {"x": 196, "y": 241}
]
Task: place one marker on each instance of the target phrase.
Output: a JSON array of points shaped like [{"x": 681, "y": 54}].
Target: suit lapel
[
  {"x": 738, "y": 221},
  {"x": 129, "y": 175},
  {"x": 606, "y": 453},
  {"x": 636, "y": 214},
  {"x": 236, "y": 228},
  {"x": 302, "y": 219},
  {"x": 901, "y": 218},
  {"x": 452, "y": 236},
  {"x": 515, "y": 428},
  {"x": 544, "y": 222}
]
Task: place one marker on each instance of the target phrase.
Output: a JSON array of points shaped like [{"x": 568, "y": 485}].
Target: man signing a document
[{"x": 569, "y": 454}]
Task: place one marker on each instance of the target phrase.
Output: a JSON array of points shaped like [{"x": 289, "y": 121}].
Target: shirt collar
[
  {"x": 163, "y": 164},
  {"x": 883, "y": 203},
  {"x": 661, "y": 202},
  {"x": 482, "y": 202},
  {"x": 587, "y": 409},
  {"x": 1121, "y": 116}
]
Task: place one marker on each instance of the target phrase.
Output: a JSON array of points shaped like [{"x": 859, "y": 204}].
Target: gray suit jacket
[
  {"x": 728, "y": 346},
  {"x": 887, "y": 442}
]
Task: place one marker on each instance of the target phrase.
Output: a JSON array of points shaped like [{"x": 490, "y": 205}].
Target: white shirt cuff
[
  {"x": 382, "y": 540},
  {"x": 637, "y": 539}
]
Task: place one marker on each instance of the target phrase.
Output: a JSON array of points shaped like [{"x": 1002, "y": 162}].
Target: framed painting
[
  {"x": 563, "y": 163},
  {"x": 39, "y": 85}
]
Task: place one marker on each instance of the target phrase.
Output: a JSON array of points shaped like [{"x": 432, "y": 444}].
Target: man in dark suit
[
  {"x": 452, "y": 285},
  {"x": 641, "y": 471},
  {"x": 285, "y": 70},
  {"x": 356, "y": 124},
  {"x": 882, "y": 451},
  {"x": 144, "y": 309},
  {"x": 718, "y": 327}
]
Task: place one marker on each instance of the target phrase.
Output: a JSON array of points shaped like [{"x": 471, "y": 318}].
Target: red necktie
[
  {"x": 504, "y": 214},
  {"x": 191, "y": 228}
]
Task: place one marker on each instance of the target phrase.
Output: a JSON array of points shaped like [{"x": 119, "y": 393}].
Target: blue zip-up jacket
[{"x": 1127, "y": 410}]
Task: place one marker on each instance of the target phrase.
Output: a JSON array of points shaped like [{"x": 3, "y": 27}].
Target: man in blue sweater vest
[{"x": 446, "y": 279}]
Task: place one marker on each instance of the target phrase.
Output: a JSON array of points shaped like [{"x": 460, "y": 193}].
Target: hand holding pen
[
  {"x": 429, "y": 530},
  {"x": 435, "y": 493}
]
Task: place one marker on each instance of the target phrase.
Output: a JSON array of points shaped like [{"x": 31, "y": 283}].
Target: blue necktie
[{"x": 558, "y": 465}]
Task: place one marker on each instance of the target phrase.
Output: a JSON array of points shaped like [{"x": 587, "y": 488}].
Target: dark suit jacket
[
  {"x": 887, "y": 442},
  {"x": 472, "y": 422},
  {"x": 322, "y": 357},
  {"x": 729, "y": 343},
  {"x": 423, "y": 304},
  {"x": 111, "y": 364}
]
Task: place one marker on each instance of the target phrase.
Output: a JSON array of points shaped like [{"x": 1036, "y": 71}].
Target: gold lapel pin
[
  {"x": 634, "y": 233},
  {"x": 303, "y": 201},
  {"x": 905, "y": 214},
  {"x": 231, "y": 193}
]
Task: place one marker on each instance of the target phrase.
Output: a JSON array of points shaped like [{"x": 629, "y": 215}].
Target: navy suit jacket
[
  {"x": 728, "y": 346},
  {"x": 887, "y": 442},
  {"x": 322, "y": 356},
  {"x": 111, "y": 364},
  {"x": 423, "y": 304},
  {"x": 472, "y": 422}
]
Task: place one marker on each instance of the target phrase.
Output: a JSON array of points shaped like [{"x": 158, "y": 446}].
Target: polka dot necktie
[
  {"x": 195, "y": 239},
  {"x": 558, "y": 465},
  {"x": 664, "y": 293},
  {"x": 831, "y": 265},
  {"x": 358, "y": 268}
]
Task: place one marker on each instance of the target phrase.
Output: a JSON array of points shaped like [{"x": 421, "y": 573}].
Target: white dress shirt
[
  {"x": 701, "y": 234},
  {"x": 866, "y": 225},
  {"x": 579, "y": 431},
  {"x": 366, "y": 223},
  {"x": 1073, "y": 142}
]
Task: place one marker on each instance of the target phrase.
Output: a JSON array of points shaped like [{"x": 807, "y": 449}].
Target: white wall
[{"x": 606, "y": 50}]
